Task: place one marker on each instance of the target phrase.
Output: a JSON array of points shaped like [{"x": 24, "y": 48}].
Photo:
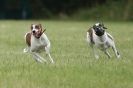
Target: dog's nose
[{"x": 33, "y": 31}]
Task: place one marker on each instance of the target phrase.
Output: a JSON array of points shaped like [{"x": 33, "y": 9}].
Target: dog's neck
[{"x": 36, "y": 37}]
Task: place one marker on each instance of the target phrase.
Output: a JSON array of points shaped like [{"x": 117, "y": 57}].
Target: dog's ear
[
  {"x": 103, "y": 26},
  {"x": 40, "y": 26},
  {"x": 94, "y": 26},
  {"x": 44, "y": 30}
]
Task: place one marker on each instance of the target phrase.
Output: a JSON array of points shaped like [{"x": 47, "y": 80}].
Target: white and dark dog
[
  {"x": 37, "y": 41},
  {"x": 99, "y": 38}
]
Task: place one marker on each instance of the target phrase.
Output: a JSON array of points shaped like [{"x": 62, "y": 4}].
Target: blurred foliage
[
  {"x": 68, "y": 9},
  {"x": 111, "y": 10}
]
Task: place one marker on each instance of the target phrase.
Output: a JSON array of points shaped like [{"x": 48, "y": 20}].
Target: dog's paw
[
  {"x": 41, "y": 61},
  {"x": 52, "y": 62},
  {"x": 118, "y": 56},
  {"x": 25, "y": 50},
  {"x": 96, "y": 56}
]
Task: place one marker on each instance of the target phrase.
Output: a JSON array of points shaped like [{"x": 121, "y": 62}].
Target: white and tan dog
[
  {"x": 99, "y": 38},
  {"x": 37, "y": 41}
]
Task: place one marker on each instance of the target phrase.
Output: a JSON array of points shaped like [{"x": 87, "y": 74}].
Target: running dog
[
  {"x": 97, "y": 37},
  {"x": 37, "y": 41}
]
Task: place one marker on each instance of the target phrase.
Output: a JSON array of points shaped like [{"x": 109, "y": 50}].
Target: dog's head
[
  {"x": 99, "y": 29},
  {"x": 36, "y": 30}
]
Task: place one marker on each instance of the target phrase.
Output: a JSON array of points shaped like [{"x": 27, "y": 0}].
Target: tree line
[{"x": 65, "y": 8}]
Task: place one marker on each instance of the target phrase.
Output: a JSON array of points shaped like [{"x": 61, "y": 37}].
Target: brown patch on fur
[
  {"x": 28, "y": 39},
  {"x": 91, "y": 35},
  {"x": 40, "y": 29}
]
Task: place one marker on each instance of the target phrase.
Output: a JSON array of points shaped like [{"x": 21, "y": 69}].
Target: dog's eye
[
  {"x": 96, "y": 29},
  {"x": 37, "y": 27}
]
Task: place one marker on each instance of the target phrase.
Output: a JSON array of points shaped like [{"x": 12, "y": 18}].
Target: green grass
[{"x": 75, "y": 65}]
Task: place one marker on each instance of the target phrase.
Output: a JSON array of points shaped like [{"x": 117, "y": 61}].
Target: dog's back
[{"x": 28, "y": 39}]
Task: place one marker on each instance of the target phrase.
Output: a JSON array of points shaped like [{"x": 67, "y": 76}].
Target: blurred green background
[{"x": 121, "y": 10}]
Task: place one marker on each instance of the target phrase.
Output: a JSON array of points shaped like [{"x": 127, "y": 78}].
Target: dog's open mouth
[{"x": 37, "y": 35}]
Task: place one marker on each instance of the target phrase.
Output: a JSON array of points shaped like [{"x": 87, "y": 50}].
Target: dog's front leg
[
  {"x": 52, "y": 61},
  {"x": 116, "y": 52},
  {"x": 95, "y": 52},
  {"x": 107, "y": 53},
  {"x": 48, "y": 54},
  {"x": 38, "y": 58}
]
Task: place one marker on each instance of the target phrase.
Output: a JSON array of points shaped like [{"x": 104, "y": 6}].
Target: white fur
[
  {"x": 37, "y": 45},
  {"x": 103, "y": 43},
  {"x": 34, "y": 29}
]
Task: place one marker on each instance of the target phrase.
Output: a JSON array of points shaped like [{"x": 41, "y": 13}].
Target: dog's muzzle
[
  {"x": 99, "y": 31},
  {"x": 33, "y": 31},
  {"x": 36, "y": 34}
]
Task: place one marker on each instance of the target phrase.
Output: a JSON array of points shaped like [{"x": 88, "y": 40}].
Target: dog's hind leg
[
  {"x": 116, "y": 52},
  {"x": 48, "y": 54},
  {"x": 95, "y": 53}
]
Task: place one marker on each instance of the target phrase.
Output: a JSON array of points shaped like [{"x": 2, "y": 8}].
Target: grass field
[{"x": 75, "y": 65}]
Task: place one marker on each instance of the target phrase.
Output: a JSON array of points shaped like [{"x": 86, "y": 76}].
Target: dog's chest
[
  {"x": 102, "y": 43},
  {"x": 103, "y": 46},
  {"x": 38, "y": 44}
]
